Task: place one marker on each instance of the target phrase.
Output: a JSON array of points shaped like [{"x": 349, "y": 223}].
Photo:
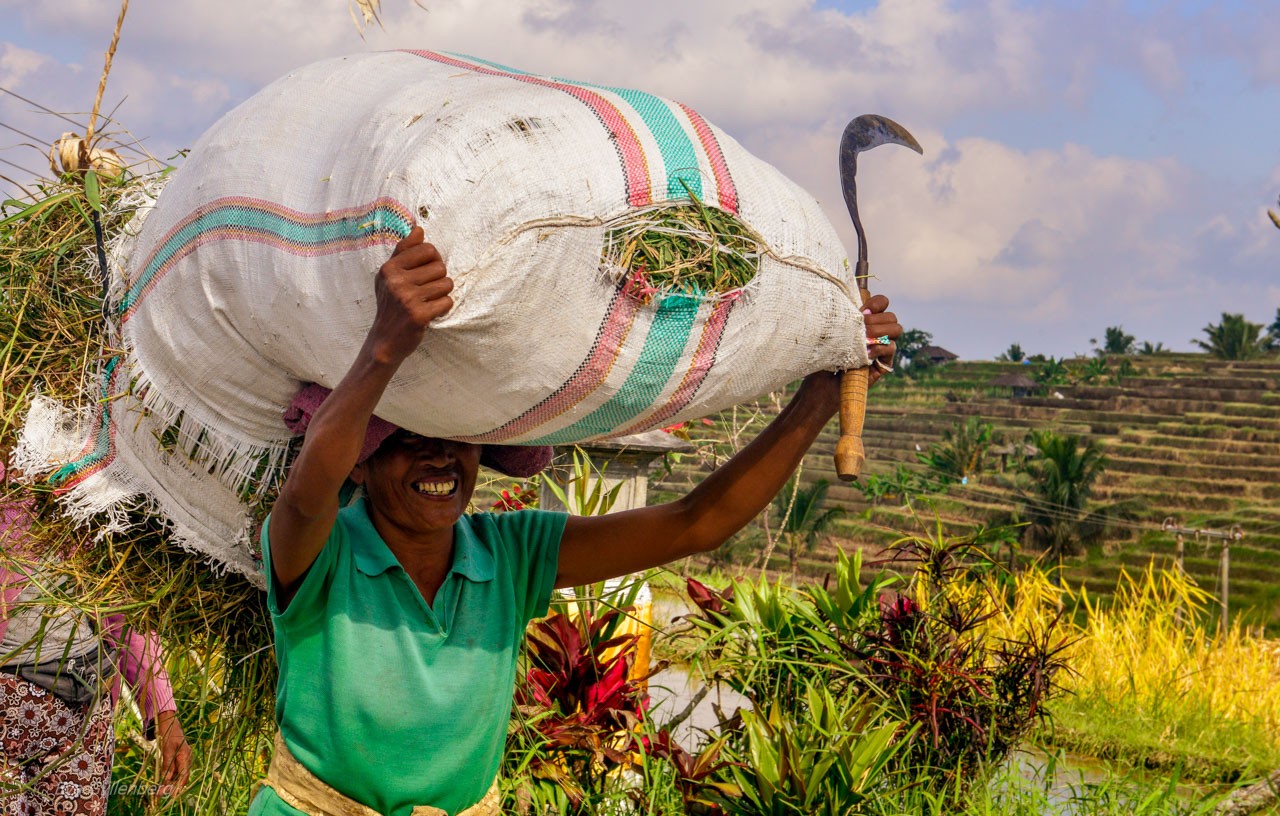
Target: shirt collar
[{"x": 471, "y": 558}]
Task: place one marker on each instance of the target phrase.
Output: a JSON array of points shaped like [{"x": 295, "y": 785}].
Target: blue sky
[{"x": 1088, "y": 164}]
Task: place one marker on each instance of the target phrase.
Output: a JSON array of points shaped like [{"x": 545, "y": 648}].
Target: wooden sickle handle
[{"x": 850, "y": 454}]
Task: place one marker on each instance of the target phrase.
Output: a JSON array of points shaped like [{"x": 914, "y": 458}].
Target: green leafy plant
[
  {"x": 804, "y": 519},
  {"x": 920, "y": 646},
  {"x": 1052, "y": 371},
  {"x": 971, "y": 695},
  {"x": 1062, "y": 480},
  {"x": 1096, "y": 370},
  {"x": 830, "y": 760},
  {"x": 1115, "y": 341},
  {"x": 901, "y": 486},
  {"x": 1013, "y": 354},
  {"x": 698, "y": 778},
  {"x": 580, "y": 487},
  {"x": 963, "y": 450},
  {"x": 1234, "y": 338},
  {"x": 578, "y": 708},
  {"x": 911, "y": 362}
]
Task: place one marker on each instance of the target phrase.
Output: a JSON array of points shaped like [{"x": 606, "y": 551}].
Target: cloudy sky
[{"x": 1088, "y": 163}]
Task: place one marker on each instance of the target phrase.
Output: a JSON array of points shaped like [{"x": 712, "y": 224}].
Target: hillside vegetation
[{"x": 1186, "y": 436}]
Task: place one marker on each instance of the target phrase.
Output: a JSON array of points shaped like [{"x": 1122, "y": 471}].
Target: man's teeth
[{"x": 436, "y": 488}]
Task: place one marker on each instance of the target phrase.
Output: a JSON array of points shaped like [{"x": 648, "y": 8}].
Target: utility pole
[
  {"x": 1168, "y": 525},
  {"x": 1224, "y": 561}
]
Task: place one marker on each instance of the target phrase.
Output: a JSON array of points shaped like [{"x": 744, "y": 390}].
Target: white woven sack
[{"x": 254, "y": 274}]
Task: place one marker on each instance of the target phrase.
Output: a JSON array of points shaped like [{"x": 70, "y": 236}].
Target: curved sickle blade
[
  {"x": 863, "y": 133},
  {"x": 872, "y": 130}
]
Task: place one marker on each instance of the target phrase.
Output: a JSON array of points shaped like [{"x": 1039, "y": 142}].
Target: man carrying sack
[{"x": 398, "y": 618}]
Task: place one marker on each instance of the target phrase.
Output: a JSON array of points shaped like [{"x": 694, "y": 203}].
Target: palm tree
[
  {"x": 1234, "y": 338},
  {"x": 1117, "y": 342},
  {"x": 962, "y": 451},
  {"x": 803, "y": 519},
  {"x": 1057, "y": 501},
  {"x": 1014, "y": 354}
]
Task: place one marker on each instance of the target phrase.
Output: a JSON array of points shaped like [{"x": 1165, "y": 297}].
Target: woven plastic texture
[{"x": 253, "y": 274}]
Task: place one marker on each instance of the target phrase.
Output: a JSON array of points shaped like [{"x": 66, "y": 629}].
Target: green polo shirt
[{"x": 395, "y": 702}]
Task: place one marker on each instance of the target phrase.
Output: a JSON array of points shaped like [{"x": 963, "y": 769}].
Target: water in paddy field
[
  {"x": 670, "y": 692},
  {"x": 672, "y": 689}
]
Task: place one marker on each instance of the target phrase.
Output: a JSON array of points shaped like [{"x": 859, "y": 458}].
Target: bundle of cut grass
[
  {"x": 214, "y": 626},
  {"x": 689, "y": 249}
]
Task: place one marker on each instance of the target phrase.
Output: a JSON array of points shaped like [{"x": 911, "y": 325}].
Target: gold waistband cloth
[{"x": 300, "y": 788}]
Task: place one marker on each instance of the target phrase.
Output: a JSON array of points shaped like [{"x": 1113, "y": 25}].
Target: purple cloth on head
[
  {"x": 519, "y": 461},
  {"x": 298, "y": 416}
]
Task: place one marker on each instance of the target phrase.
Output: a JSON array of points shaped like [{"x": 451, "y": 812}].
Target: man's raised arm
[
  {"x": 412, "y": 289},
  {"x": 598, "y": 547}
]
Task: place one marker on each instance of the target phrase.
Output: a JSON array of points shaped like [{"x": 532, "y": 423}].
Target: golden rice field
[{"x": 1149, "y": 683}]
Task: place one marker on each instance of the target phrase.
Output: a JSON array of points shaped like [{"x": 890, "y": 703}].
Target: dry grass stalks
[
  {"x": 215, "y": 627},
  {"x": 687, "y": 249}
]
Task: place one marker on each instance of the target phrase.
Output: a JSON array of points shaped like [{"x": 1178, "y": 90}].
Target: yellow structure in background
[{"x": 637, "y": 621}]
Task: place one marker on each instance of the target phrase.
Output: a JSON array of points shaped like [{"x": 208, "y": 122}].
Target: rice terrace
[{"x": 312, "y": 416}]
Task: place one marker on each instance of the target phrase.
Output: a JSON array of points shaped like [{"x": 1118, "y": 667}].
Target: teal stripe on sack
[
  {"x": 99, "y": 452},
  {"x": 265, "y": 222},
  {"x": 663, "y": 347},
  {"x": 679, "y": 156}
]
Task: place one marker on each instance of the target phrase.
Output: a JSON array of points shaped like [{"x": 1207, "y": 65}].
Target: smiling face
[{"x": 418, "y": 485}]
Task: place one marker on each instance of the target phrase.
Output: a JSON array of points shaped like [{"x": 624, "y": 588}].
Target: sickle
[{"x": 863, "y": 133}]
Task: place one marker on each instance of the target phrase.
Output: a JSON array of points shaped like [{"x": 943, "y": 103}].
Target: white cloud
[
  {"x": 976, "y": 235},
  {"x": 16, "y": 64},
  {"x": 1160, "y": 63},
  {"x": 985, "y": 221}
]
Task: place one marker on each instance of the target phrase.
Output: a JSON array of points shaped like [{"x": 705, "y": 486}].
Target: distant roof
[
  {"x": 938, "y": 353},
  {"x": 654, "y": 441},
  {"x": 1010, "y": 448},
  {"x": 1014, "y": 379}
]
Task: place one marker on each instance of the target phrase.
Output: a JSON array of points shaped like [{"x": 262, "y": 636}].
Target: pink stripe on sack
[
  {"x": 590, "y": 375},
  {"x": 251, "y": 236},
  {"x": 98, "y": 452},
  {"x": 634, "y": 163},
  {"x": 699, "y": 367},
  {"x": 239, "y": 218},
  {"x": 725, "y": 188}
]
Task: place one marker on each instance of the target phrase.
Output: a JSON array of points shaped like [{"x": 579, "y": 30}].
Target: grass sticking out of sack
[
  {"x": 215, "y": 628},
  {"x": 683, "y": 248},
  {"x": 49, "y": 313}
]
